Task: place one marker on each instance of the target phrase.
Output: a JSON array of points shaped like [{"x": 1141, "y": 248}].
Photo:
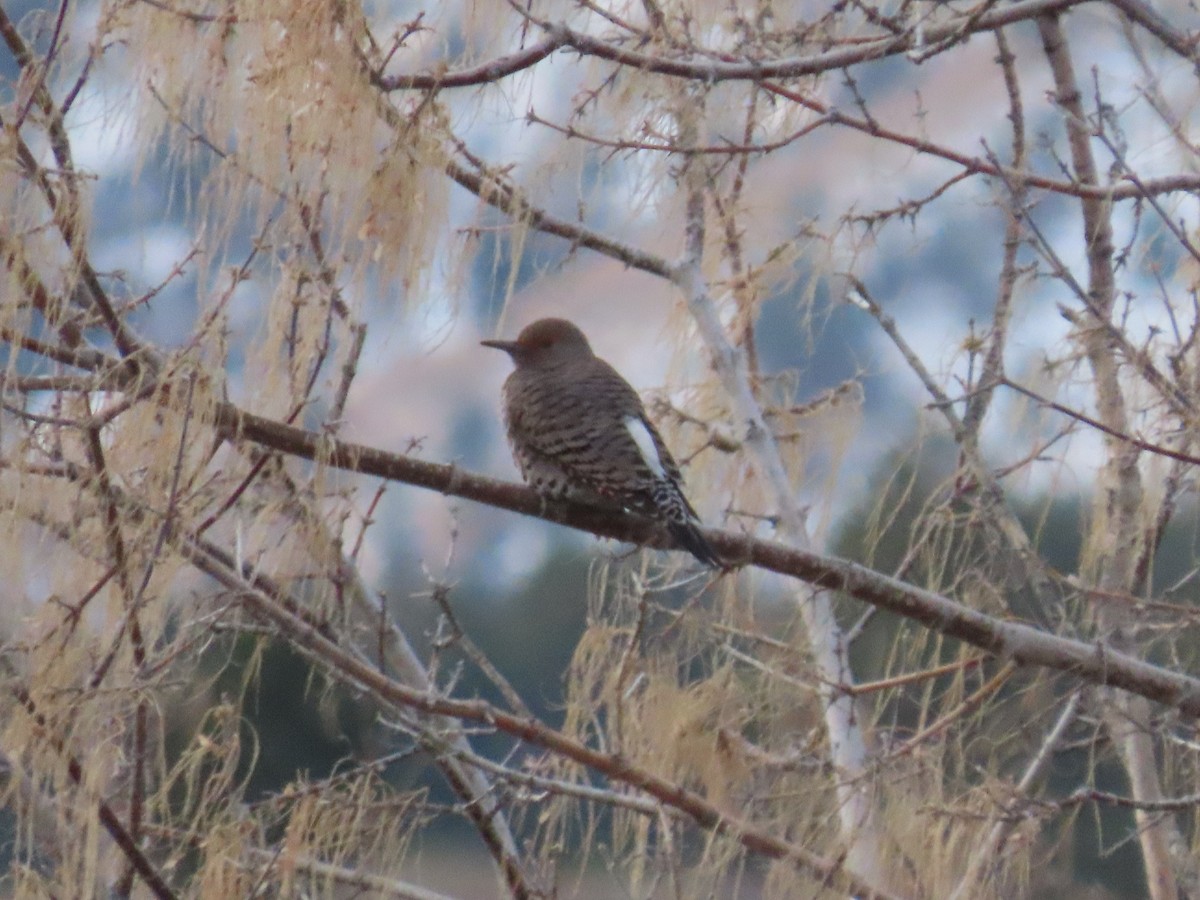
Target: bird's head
[{"x": 545, "y": 342}]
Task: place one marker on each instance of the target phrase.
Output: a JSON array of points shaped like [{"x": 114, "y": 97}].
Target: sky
[{"x": 424, "y": 377}]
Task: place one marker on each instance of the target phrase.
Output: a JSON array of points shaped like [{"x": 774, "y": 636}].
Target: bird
[{"x": 579, "y": 431}]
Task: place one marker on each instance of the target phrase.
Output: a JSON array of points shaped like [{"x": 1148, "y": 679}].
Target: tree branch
[
  {"x": 484, "y": 73},
  {"x": 349, "y": 668},
  {"x": 725, "y": 68},
  {"x": 1093, "y": 662}
]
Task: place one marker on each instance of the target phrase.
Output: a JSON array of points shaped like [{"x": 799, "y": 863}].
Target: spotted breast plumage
[{"x": 578, "y": 430}]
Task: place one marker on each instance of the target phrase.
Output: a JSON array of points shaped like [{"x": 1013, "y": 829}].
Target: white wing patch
[{"x": 645, "y": 442}]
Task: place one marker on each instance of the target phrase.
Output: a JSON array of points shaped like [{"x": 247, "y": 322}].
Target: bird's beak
[{"x": 508, "y": 347}]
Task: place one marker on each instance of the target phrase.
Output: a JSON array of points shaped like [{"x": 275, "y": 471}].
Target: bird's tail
[{"x": 687, "y": 532}]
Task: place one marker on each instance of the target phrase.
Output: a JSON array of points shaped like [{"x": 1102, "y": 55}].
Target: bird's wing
[
  {"x": 653, "y": 448},
  {"x": 628, "y": 452},
  {"x": 594, "y": 429}
]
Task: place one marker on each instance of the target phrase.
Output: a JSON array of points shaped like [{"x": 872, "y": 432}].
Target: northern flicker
[{"x": 579, "y": 431}]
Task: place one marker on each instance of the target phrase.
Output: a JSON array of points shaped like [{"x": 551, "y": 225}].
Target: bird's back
[{"x": 570, "y": 427}]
